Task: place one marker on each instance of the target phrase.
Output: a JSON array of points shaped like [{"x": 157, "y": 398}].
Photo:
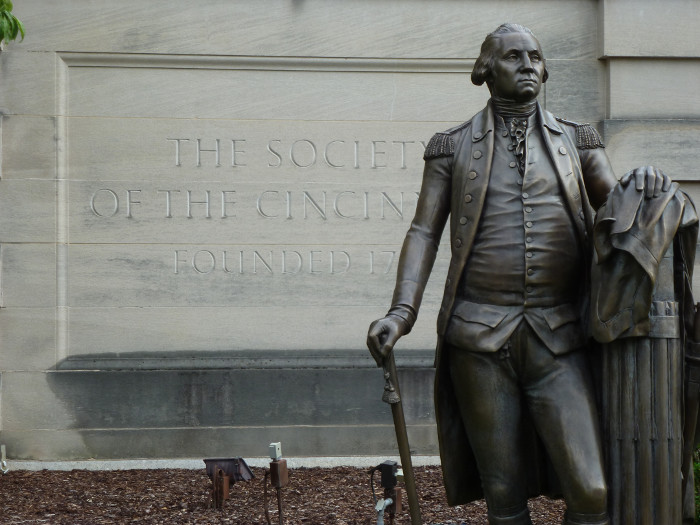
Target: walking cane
[{"x": 392, "y": 395}]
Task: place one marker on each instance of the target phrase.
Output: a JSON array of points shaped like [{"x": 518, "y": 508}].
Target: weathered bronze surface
[{"x": 515, "y": 402}]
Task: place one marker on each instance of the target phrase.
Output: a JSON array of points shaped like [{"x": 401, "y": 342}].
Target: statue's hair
[{"x": 484, "y": 64}]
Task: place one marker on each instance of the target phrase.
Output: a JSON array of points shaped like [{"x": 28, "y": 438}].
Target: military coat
[{"x": 455, "y": 181}]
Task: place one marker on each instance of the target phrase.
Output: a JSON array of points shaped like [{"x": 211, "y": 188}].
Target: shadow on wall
[{"x": 161, "y": 412}]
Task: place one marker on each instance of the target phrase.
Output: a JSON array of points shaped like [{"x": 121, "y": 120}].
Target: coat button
[
  {"x": 512, "y": 164},
  {"x": 478, "y": 135},
  {"x": 477, "y": 154},
  {"x": 463, "y": 221},
  {"x": 472, "y": 175},
  {"x": 562, "y": 150},
  {"x": 467, "y": 198},
  {"x": 505, "y": 132},
  {"x": 458, "y": 242}
]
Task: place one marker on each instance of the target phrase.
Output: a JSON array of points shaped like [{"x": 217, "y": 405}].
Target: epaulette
[
  {"x": 587, "y": 137},
  {"x": 442, "y": 144}
]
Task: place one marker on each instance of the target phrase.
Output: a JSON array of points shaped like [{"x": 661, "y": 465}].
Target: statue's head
[{"x": 511, "y": 64}]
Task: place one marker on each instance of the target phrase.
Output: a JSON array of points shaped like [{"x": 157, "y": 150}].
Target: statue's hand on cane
[{"x": 383, "y": 335}]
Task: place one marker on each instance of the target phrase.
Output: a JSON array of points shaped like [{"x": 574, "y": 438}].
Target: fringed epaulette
[
  {"x": 441, "y": 145},
  {"x": 587, "y": 137}
]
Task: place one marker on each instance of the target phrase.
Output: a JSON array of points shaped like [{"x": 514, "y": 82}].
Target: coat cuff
[{"x": 405, "y": 313}]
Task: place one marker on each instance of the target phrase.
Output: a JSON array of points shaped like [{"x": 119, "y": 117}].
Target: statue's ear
[{"x": 546, "y": 75}]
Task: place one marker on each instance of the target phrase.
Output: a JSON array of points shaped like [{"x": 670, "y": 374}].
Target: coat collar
[{"x": 484, "y": 122}]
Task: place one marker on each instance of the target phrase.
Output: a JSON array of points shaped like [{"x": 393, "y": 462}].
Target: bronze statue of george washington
[{"x": 520, "y": 188}]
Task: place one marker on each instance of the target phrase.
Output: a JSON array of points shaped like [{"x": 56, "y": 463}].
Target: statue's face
[{"x": 518, "y": 67}]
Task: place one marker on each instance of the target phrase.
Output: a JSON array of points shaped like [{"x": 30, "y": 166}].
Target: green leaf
[
  {"x": 12, "y": 32},
  {"x": 20, "y": 25},
  {"x": 10, "y": 26},
  {"x": 4, "y": 27},
  {"x": 13, "y": 26}
]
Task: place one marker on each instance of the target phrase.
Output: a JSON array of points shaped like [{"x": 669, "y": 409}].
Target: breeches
[{"x": 498, "y": 392}]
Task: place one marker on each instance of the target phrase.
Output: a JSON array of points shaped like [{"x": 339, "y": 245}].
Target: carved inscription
[
  {"x": 300, "y": 153},
  {"x": 266, "y": 203},
  {"x": 281, "y": 261}
]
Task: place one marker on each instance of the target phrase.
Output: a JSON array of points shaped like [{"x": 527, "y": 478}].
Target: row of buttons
[{"x": 468, "y": 198}]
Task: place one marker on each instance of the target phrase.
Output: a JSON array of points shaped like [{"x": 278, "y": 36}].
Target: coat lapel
[{"x": 564, "y": 157}]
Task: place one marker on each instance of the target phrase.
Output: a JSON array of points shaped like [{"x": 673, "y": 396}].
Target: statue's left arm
[{"x": 597, "y": 174}]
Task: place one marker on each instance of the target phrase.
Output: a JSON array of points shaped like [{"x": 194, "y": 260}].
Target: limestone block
[
  {"x": 28, "y": 83},
  {"x": 76, "y": 410},
  {"x": 175, "y": 150},
  {"x": 28, "y": 276},
  {"x": 29, "y": 402},
  {"x": 27, "y": 338},
  {"x": 242, "y": 213},
  {"x": 667, "y": 144},
  {"x": 28, "y": 147},
  {"x": 348, "y": 29},
  {"x": 654, "y": 88},
  {"x": 198, "y": 442},
  {"x": 27, "y": 210},
  {"x": 259, "y": 275},
  {"x": 648, "y": 28},
  {"x": 575, "y": 90},
  {"x": 249, "y": 88},
  {"x": 195, "y": 330}
]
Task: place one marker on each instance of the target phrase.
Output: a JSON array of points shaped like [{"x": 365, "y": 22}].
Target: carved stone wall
[{"x": 201, "y": 205}]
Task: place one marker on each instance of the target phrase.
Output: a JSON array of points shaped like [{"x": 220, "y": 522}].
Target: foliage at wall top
[{"x": 10, "y": 26}]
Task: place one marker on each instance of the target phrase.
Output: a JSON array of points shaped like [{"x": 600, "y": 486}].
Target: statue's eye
[
  {"x": 535, "y": 57},
  {"x": 511, "y": 57}
]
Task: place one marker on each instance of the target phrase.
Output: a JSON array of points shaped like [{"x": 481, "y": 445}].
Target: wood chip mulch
[{"x": 314, "y": 496}]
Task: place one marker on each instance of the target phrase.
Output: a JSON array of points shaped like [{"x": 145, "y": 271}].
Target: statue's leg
[
  {"x": 489, "y": 400},
  {"x": 560, "y": 397}
]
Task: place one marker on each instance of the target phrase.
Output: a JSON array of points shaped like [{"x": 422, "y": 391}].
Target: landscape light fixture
[
  {"x": 390, "y": 503},
  {"x": 279, "y": 477},
  {"x": 224, "y": 472}
]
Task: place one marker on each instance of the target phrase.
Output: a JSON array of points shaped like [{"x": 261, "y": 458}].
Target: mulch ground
[{"x": 314, "y": 496}]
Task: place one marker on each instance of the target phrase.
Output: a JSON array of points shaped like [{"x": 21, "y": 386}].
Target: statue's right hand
[{"x": 382, "y": 336}]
